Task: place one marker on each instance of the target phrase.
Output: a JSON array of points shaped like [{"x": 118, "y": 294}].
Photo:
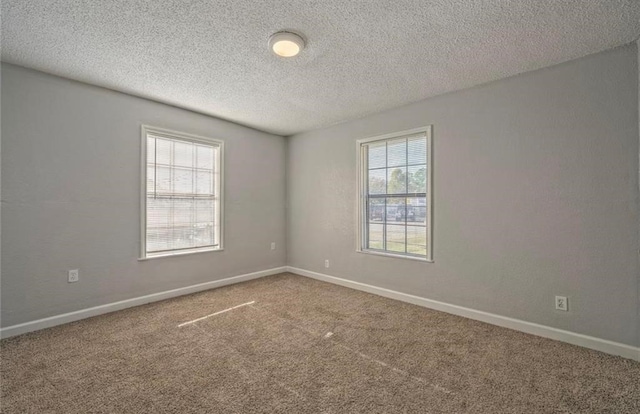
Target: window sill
[
  {"x": 395, "y": 256},
  {"x": 179, "y": 253}
]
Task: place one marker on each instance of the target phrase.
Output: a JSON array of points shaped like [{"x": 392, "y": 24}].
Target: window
[
  {"x": 395, "y": 194},
  {"x": 182, "y": 193}
]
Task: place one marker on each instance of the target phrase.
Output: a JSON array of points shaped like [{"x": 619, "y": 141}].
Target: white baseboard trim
[
  {"x": 602, "y": 345},
  {"x": 36, "y": 325}
]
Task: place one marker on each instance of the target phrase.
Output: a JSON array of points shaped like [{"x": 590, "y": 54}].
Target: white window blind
[
  {"x": 182, "y": 193},
  {"x": 395, "y": 201}
]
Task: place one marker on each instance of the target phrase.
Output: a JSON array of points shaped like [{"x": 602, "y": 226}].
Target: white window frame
[
  {"x": 218, "y": 184},
  {"x": 362, "y": 172}
]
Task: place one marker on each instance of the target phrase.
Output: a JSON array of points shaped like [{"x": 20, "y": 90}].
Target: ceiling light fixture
[{"x": 286, "y": 44}]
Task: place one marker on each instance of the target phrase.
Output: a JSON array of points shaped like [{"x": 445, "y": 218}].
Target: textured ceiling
[{"x": 362, "y": 56}]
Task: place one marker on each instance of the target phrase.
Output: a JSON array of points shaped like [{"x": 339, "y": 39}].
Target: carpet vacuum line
[
  {"x": 216, "y": 313},
  {"x": 328, "y": 336}
]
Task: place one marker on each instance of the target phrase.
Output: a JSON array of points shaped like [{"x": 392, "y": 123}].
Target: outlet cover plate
[
  {"x": 562, "y": 303},
  {"x": 74, "y": 276}
]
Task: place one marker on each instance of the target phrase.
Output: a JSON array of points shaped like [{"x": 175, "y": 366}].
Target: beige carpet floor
[{"x": 304, "y": 346}]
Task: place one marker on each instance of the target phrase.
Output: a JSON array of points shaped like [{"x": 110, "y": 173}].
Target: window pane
[
  {"x": 204, "y": 211},
  {"x": 182, "y": 181},
  {"x": 376, "y": 209},
  {"x": 151, "y": 179},
  {"x": 204, "y": 182},
  {"x": 204, "y": 157},
  {"x": 397, "y": 153},
  {"x": 376, "y": 234},
  {"x": 204, "y": 235},
  {"x": 417, "y": 240},
  {"x": 182, "y": 237},
  {"x": 159, "y": 223},
  {"x": 419, "y": 207},
  {"x": 158, "y": 212},
  {"x": 183, "y": 212},
  {"x": 378, "y": 181},
  {"x": 417, "y": 150},
  {"x": 397, "y": 180},
  {"x": 378, "y": 155},
  {"x": 163, "y": 179},
  {"x": 417, "y": 179},
  {"x": 394, "y": 207},
  {"x": 159, "y": 239},
  {"x": 396, "y": 238},
  {"x": 163, "y": 151},
  {"x": 401, "y": 212},
  {"x": 182, "y": 154},
  {"x": 151, "y": 149}
]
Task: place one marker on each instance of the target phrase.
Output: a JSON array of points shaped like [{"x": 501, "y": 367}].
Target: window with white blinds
[
  {"x": 395, "y": 194},
  {"x": 182, "y": 193}
]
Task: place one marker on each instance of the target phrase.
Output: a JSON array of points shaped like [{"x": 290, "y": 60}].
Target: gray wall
[
  {"x": 0, "y": 177},
  {"x": 71, "y": 191},
  {"x": 535, "y": 195}
]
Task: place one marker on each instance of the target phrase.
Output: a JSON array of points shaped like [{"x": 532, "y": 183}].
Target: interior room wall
[
  {"x": 535, "y": 195},
  {"x": 71, "y": 197},
  {"x": 638, "y": 195},
  {"x": 0, "y": 181}
]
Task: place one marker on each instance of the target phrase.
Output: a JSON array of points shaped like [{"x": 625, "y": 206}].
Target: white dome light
[{"x": 286, "y": 44}]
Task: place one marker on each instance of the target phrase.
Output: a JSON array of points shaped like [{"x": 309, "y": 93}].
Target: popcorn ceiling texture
[{"x": 362, "y": 57}]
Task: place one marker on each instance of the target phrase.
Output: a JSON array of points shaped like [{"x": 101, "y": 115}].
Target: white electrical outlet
[
  {"x": 326, "y": 263},
  {"x": 273, "y": 245},
  {"x": 562, "y": 303},
  {"x": 74, "y": 275}
]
